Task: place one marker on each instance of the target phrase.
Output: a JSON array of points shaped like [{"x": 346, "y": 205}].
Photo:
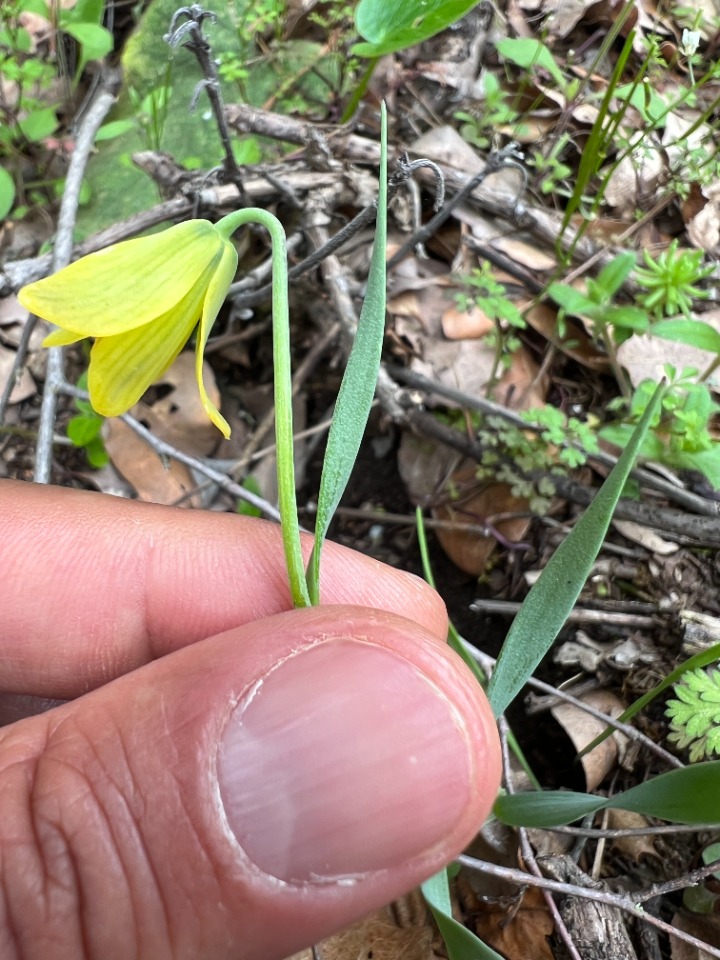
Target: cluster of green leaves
[
  {"x": 680, "y": 436},
  {"x": 680, "y": 432},
  {"x": 484, "y": 291},
  {"x": 669, "y": 281},
  {"x": 695, "y": 715},
  {"x": 84, "y": 429},
  {"x": 597, "y": 302},
  {"x": 29, "y": 102},
  {"x": 527, "y": 460},
  {"x": 479, "y": 126}
]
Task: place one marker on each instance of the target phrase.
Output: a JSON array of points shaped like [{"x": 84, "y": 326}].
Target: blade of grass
[
  {"x": 595, "y": 150},
  {"x": 357, "y": 389},
  {"x": 548, "y": 604}
]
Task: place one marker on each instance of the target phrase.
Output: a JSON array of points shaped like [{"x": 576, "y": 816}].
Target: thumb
[{"x": 246, "y": 795}]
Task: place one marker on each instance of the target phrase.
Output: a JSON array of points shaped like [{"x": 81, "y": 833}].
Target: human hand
[{"x": 231, "y": 778}]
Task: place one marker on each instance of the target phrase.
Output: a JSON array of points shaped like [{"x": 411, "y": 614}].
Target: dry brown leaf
[
  {"x": 634, "y": 848},
  {"x": 705, "y": 928},
  {"x": 646, "y": 537},
  {"x": 465, "y": 365},
  {"x": 524, "y": 252},
  {"x": 518, "y": 934},
  {"x": 424, "y": 466},
  {"x": 521, "y": 387},
  {"x": 445, "y": 145},
  {"x": 704, "y": 228},
  {"x": 577, "y": 344},
  {"x": 155, "y": 480},
  {"x": 582, "y": 728},
  {"x": 634, "y": 181},
  {"x": 563, "y": 15},
  {"x": 470, "y": 550},
  {"x": 12, "y": 312},
  {"x": 465, "y": 324},
  {"x": 179, "y": 417},
  {"x": 25, "y": 385}
]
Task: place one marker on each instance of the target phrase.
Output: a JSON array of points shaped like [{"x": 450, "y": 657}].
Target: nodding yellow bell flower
[{"x": 141, "y": 300}]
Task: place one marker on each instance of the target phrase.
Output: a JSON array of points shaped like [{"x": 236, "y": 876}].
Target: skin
[{"x": 153, "y": 624}]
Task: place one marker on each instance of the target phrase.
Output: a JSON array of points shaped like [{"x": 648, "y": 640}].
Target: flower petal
[
  {"x": 214, "y": 299},
  {"x": 62, "y": 338},
  {"x": 126, "y": 285},
  {"x": 124, "y": 366}
]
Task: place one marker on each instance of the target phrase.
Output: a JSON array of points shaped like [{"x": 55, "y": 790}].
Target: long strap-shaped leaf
[
  {"x": 689, "y": 795},
  {"x": 461, "y": 943},
  {"x": 358, "y": 385},
  {"x": 548, "y": 604}
]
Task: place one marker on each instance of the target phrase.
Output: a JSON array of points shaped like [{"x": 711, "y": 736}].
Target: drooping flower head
[{"x": 141, "y": 300}]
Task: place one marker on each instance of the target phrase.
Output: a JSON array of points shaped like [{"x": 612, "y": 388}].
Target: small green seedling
[
  {"x": 611, "y": 321},
  {"x": 669, "y": 281}
]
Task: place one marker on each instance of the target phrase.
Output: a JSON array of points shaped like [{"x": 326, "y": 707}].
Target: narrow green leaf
[
  {"x": 693, "y": 332},
  {"x": 595, "y": 150},
  {"x": 689, "y": 795},
  {"x": 544, "y": 809},
  {"x": 357, "y": 389},
  {"x": 460, "y": 942},
  {"x": 548, "y": 604}
]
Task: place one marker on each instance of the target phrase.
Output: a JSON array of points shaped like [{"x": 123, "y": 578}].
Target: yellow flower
[{"x": 141, "y": 300}]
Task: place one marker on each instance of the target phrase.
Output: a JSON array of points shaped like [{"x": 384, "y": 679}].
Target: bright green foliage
[
  {"x": 512, "y": 455},
  {"x": 532, "y": 55},
  {"x": 669, "y": 281},
  {"x": 680, "y": 435},
  {"x": 480, "y": 125},
  {"x": 389, "y": 25},
  {"x": 84, "y": 428},
  {"x": 551, "y": 172},
  {"x": 29, "y": 105},
  {"x": 244, "y": 507},
  {"x": 695, "y": 715},
  {"x": 489, "y": 295},
  {"x": 598, "y": 301}
]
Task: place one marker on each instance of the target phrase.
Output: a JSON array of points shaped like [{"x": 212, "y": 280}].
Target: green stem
[
  {"x": 359, "y": 91},
  {"x": 283, "y": 394}
]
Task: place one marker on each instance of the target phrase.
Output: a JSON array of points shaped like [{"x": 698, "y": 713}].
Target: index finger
[{"x": 93, "y": 586}]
